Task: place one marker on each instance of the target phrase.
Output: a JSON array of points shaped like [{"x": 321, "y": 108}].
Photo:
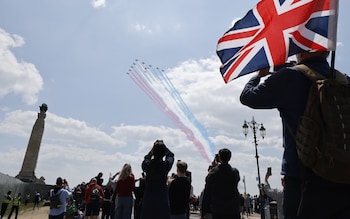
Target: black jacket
[{"x": 220, "y": 193}]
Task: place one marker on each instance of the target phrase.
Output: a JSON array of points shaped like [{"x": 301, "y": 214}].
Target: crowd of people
[
  {"x": 159, "y": 196},
  {"x": 154, "y": 195}
]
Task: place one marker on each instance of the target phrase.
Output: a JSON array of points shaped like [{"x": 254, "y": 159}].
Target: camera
[{"x": 217, "y": 158}]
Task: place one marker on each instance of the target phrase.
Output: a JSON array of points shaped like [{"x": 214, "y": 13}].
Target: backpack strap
[
  {"x": 58, "y": 192},
  {"x": 314, "y": 75},
  {"x": 308, "y": 72}
]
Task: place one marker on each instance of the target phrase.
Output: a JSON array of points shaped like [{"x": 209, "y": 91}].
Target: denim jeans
[{"x": 123, "y": 207}]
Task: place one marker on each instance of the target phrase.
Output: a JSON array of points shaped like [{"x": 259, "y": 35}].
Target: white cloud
[
  {"x": 142, "y": 28},
  {"x": 99, "y": 3},
  {"x": 72, "y": 149},
  {"x": 75, "y": 150},
  {"x": 17, "y": 77}
]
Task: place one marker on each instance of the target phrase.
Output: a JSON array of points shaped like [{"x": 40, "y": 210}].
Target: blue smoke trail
[{"x": 159, "y": 88}]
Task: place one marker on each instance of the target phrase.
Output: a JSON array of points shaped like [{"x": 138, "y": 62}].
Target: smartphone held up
[{"x": 269, "y": 171}]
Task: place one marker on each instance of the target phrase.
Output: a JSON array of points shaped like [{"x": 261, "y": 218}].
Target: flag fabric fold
[{"x": 274, "y": 30}]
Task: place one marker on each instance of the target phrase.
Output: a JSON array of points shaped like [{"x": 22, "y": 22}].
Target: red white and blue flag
[{"x": 274, "y": 30}]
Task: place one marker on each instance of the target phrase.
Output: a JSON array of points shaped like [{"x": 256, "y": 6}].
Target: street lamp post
[{"x": 255, "y": 126}]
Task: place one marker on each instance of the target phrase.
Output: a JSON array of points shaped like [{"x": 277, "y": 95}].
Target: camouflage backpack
[{"x": 323, "y": 132}]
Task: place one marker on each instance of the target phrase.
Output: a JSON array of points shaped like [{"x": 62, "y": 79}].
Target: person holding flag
[
  {"x": 305, "y": 193},
  {"x": 265, "y": 38}
]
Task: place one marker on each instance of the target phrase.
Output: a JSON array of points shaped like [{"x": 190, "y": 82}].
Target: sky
[{"x": 75, "y": 57}]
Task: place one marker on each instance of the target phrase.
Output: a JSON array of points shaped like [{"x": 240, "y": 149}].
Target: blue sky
[{"x": 74, "y": 56}]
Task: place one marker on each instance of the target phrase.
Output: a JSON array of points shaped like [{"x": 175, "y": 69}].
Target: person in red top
[
  {"x": 93, "y": 197},
  {"x": 124, "y": 188}
]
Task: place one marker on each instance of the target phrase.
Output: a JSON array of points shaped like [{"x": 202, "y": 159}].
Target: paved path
[
  {"x": 252, "y": 216},
  {"x": 43, "y": 212}
]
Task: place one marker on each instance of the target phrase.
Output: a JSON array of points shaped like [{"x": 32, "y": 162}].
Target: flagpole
[
  {"x": 333, "y": 27},
  {"x": 333, "y": 64}
]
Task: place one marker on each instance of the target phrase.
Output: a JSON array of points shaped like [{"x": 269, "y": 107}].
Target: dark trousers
[
  {"x": 61, "y": 216},
  {"x": 291, "y": 197},
  {"x": 106, "y": 210},
  {"x": 225, "y": 216},
  {"x": 3, "y": 209},
  {"x": 319, "y": 201},
  {"x": 137, "y": 209},
  {"x": 14, "y": 209},
  {"x": 36, "y": 204}
]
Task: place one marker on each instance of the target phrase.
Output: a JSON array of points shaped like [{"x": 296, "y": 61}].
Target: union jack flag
[{"x": 274, "y": 30}]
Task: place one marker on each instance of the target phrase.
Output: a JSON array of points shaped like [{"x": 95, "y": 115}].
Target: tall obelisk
[{"x": 27, "y": 173}]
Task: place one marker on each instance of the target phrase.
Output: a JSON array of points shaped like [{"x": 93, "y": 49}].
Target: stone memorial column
[{"x": 27, "y": 173}]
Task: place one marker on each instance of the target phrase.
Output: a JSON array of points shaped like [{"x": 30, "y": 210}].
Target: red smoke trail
[{"x": 143, "y": 78}]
